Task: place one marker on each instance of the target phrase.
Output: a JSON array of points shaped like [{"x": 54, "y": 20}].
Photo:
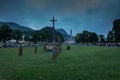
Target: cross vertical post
[{"x": 53, "y": 21}]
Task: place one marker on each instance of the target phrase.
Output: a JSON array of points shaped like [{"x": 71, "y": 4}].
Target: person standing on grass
[{"x": 54, "y": 53}]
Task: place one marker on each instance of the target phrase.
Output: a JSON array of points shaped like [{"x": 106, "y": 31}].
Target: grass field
[{"x": 79, "y": 63}]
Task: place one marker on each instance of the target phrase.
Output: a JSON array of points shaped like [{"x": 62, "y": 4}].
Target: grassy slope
[{"x": 80, "y": 63}]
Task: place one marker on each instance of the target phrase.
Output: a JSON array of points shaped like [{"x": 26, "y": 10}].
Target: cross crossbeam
[{"x": 53, "y": 20}]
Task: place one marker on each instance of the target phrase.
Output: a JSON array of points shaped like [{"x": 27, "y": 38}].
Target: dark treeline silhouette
[
  {"x": 86, "y": 36},
  {"x": 113, "y": 36},
  {"x": 43, "y": 35},
  {"x": 5, "y": 33},
  {"x": 46, "y": 35}
]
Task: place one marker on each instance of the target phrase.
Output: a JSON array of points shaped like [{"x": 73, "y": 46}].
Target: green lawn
[{"x": 79, "y": 63}]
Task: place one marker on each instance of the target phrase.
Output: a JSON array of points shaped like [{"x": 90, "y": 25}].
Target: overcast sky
[{"x": 78, "y": 15}]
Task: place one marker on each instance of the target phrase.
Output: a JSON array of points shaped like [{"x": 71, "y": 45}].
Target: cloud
[
  {"x": 74, "y": 14},
  {"x": 64, "y": 6}
]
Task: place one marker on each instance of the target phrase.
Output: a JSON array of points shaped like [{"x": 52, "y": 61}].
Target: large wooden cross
[{"x": 53, "y": 21}]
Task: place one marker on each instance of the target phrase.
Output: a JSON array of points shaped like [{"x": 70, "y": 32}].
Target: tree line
[
  {"x": 43, "y": 35},
  {"x": 46, "y": 35},
  {"x": 6, "y": 34},
  {"x": 112, "y": 36},
  {"x": 89, "y": 37}
]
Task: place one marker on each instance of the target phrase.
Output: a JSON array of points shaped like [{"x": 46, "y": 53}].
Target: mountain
[
  {"x": 64, "y": 33},
  {"x": 46, "y": 34},
  {"x": 27, "y": 30},
  {"x": 15, "y": 26}
]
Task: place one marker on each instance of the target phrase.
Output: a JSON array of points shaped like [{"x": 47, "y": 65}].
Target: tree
[
  {"x": 46, "y": 34},
  {"x": 36, "y": 36},
  {"x": 116, "y": 29},
  {"x": 86, "y": 36},
  {"x": 17, "y": 35},
  {"x": 110, "y": 36},
  {"x": 27, "y": 37},
  {"x": 101, "y": 38},
  {"x": 5, "y": 33},
  {"x": 89, "y": 36},
  {"x": 79, "y": 38},
  {"x": 93, "y": 37}
]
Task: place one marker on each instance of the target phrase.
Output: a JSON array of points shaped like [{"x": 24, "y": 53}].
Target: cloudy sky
[{"x": 78, "y": 15}]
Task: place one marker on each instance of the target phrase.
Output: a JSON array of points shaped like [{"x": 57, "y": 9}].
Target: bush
[{"x": 68, "y": 47}]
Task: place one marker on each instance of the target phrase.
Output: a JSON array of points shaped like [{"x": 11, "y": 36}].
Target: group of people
[
  {"x": 54, "y": 48},
  {"x": 17, "y": 45},
  {"x": 117, "y": 44}
]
